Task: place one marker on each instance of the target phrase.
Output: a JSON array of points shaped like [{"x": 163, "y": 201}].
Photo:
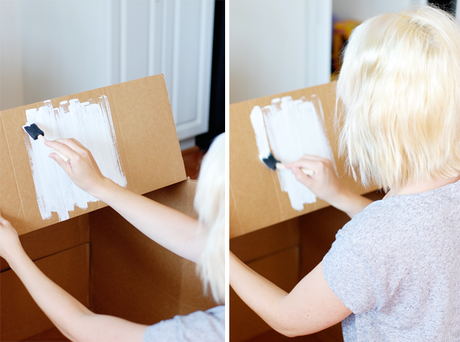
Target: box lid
[
  {"x": 256, "y": 198},
  {"x": 146, "y": 139}
]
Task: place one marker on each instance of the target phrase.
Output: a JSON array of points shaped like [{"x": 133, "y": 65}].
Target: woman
[
  {"x": 201, "y": 241},
  {"x": 393, "y": 272}
]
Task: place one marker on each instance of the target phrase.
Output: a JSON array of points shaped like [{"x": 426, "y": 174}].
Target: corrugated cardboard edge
[{"x": 256, "y": 199}]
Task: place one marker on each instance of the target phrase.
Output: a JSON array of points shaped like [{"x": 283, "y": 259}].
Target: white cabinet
[{"x": 55, "y": 48}]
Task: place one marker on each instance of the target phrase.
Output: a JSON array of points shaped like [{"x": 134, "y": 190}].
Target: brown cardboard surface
[
  {"x": 51, "y": 335},
  {"x": 56, "y": 238},
  {"x": 135, "y": 278},
  {"x": 256, "y": 199},
  {"x": 181, "y": 197},
  {"x": 147, "y": 143},
  {"x": 20, "y": 316},
  {"x": 274, "y": 252},
  {"x": 260, "y": 243},
  {"x": 192, "y": 297},
  {"x": 282, "y": 269}
]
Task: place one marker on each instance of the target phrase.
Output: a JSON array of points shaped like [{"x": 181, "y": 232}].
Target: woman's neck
[{"x": 423, "y": 186}]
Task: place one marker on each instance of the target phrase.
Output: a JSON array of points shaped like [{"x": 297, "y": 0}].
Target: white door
[{"x": 55, "y": 48}]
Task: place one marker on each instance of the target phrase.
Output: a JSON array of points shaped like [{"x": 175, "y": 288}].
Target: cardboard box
[
  {"x": 96, "y": 255},
  {"x": 147, "y": 144},
  {"x": 279, "y": 242}
]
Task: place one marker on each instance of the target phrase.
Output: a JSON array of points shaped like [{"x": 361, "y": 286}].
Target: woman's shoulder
[{"x": 399, "y": 219}]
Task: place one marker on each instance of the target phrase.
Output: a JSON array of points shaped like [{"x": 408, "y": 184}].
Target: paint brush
[
  {"x": 273, "y": 164},
  {"x": 36, "y": 133}
]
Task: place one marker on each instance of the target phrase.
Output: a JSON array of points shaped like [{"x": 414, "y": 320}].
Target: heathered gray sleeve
[
  {"x": 199, "y": 326},
  {"x": 348, "y": 274}
]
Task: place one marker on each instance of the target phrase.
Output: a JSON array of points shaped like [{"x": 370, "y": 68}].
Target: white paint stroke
[
  {"x": 90, "y": 123},
  {"x": 258, "y": 124},
  {"x": 293, "y": 128}
]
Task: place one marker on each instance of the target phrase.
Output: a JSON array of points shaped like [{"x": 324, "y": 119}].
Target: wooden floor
[{"x": 192, "y": 160}]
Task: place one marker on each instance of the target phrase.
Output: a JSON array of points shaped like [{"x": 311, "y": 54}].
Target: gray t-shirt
[
  {"x": 199, "y": 326},
  {"x": 396, "y": 266}
]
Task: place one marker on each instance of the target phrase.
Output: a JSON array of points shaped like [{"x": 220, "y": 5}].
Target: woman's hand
[
  {"x": 9, "y": 239},
  {"x": 324, "y": 182},
  {"x": 81, "y": 168}
]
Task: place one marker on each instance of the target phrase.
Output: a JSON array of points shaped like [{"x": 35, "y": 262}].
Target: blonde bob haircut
[
  {"x": 400, "y": 90},
  {"x": 209, "y": 203}
]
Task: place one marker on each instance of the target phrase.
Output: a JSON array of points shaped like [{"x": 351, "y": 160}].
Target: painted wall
[
  {"x": 278, "y": 46},
  {"x": 54, "y": 48}
]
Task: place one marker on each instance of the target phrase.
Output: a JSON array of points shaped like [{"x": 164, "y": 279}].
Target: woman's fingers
[
  {"x": 71, "y": 148},
  {"x": 315, "y": 165},
  {"x": 302, "y": 177},
  {"x": 61, "y": 162},
  {"x": 67, "y": 147},
  {"x": 63, "y": 146},
  {"x": 74, "y": 144}
]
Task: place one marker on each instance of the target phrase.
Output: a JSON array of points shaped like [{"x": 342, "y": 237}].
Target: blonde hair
[
  {"x": 210, "y": 205},
  {"x": 399, "y": 86}
]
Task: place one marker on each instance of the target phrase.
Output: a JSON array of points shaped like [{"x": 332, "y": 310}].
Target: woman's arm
[
  {"x": 310, "y": 307},
  {"x": 325, "y": 184},
  {"x": 73, "y": 319},
  {"x": 170, "y": 228}
]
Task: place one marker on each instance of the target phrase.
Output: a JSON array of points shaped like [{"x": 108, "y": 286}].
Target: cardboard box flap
[
  {"x": 256, "y": 198},
  {"x": 132, "y": 276},
  {"x": 146, "y": 140}
]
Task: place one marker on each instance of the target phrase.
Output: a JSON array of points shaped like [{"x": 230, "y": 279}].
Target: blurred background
[
  {"x": 52, "y": 48},
  {"x": 278, "y": 46}
]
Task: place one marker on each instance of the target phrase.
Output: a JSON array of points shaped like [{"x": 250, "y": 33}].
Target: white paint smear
[
  {"x": 257, "y": 121},
  {"x": 293, "y": 128},
  {"x": 90, "y": 123}
]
